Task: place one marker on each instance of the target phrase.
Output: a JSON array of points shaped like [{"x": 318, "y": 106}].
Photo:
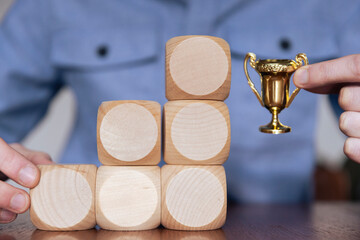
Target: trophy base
[{"x": 278, "y": 129}]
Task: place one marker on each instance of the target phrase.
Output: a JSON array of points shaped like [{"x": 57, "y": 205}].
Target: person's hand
[
  {"x": 341, "y": 76},
  {"x": 18, "y": 164}
]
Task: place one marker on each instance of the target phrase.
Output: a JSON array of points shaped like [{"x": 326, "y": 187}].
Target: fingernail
[
  {"x": 27, "y": 175},
  {"x": 18, "y": 202},
  {"x": 351, "y": 146},
  {"x": 6, "y": 216},
  {"x": 302, "y": 76}
]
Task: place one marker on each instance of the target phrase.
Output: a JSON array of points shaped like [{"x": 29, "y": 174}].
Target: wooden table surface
[{"x": 317, "y": 221}]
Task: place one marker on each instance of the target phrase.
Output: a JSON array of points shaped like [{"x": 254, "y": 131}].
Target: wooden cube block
[
  {"x": 193, "y": 197},
  {"x": 64, "y": 198},
  {"x": 128, "y": 198},
  {"x": 129, "y": 133},
  {"x": 196, "y": 132},
  {"x": 197, "y": 67}
]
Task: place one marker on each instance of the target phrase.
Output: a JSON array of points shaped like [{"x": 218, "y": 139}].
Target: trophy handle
[
  {"x": 252, "y": 58},
  {"x": 299, "y": 59}
]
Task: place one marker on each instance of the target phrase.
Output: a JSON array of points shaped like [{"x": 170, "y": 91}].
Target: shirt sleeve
[{"x": 28, "y": 81}]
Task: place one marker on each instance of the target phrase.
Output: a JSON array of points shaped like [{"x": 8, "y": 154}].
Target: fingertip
[
  {"x": 352, "y": 148},
  {"x": 20, "y": 202},
  {"x": 343, "y": 122},
  {"x": 29, "y": 175},
  {"x": 301, "y": 77},
  {"x": 7, "y": 216},
  {"x": 37, "y": 178}
]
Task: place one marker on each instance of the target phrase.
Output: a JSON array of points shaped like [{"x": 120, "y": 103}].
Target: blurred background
[{"x": 335, "y": 178}]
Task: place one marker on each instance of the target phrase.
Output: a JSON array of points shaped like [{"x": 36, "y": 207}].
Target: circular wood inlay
[
  {"x": 199, "y": 66},
  {"x": 199, "y": 131},
  {"x": 195, "y": 197},
  {"x": 128, "y": 132},
  {"x": 64, "y": 198},
  {"x": 128, "y": 199}
]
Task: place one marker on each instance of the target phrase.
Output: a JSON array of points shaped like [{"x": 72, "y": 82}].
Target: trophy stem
[{"x": 275, "y": 126}]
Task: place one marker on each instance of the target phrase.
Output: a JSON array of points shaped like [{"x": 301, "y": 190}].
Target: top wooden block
[
  {"x": 197, "y": 67},
  {"x": 129, "y": 133}
]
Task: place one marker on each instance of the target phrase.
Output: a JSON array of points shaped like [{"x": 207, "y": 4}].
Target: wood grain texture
[
  {"x": 64, "y": 198},
  {"x": 129, "y": 133},
  {"x": 321, "y": 220},
  {"x": 193, "y": 197},
  {"x": 196, "y": 132},
  {"x": 197, "y": 67},
  {"x": 128, "y": 198}
]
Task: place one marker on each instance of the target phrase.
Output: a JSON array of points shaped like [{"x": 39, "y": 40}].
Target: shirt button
[
  {"x": 102, "y": 51},
  {"x": 285, "y": 44}
]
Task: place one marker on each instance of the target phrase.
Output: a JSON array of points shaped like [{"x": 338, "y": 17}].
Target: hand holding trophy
[{"x": 275, "y": 80}]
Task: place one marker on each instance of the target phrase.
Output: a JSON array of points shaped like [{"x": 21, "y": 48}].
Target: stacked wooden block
[
  {"x": 130, "y": 192},
  {"x": 196, "y": 133},
  {"x": 128, "y": 195}
]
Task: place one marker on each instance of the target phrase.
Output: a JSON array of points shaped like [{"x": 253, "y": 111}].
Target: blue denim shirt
[{"x": 113, "y": 50}]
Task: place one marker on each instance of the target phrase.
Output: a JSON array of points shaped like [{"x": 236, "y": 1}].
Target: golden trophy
[{"x": 275, "y": 80}]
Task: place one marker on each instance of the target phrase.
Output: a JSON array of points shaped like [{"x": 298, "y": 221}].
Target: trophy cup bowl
[{"x": 275, "y": 77}]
